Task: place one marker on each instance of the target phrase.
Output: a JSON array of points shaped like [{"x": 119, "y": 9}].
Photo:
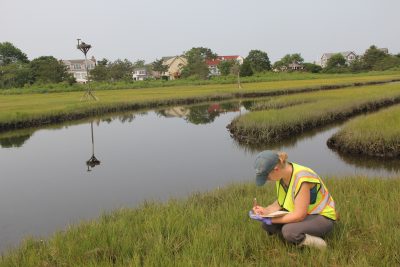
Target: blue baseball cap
[{"x": 264, "y": 164}]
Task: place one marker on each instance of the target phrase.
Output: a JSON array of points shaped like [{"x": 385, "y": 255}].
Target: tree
[
  {"x": 373, "y": 55},
  {"x": 47, "y": 69},
  {"x": 196, "y": 58},
  {"x": 100, "y": 73},
  {"x": 15, "y": 75},
  {"x": 225, "y": 67},
  {"x": 336, "y": 61},
  {"x": 103, "y": 62},
  {"x": 245, "y": 69},
  {"x": 140, "y": 63},
  {"x": 11, "y": 54},
  {"x": 159, "y": 67},
  {"x": 288, "y": 59},
  {"x": 120, "y": 70},
  {"x": 387, "y": 62},
  {"x": 311, "y": 67},
  {"x": 357, "y": 65},
  {"x": 258, "y": 61}
]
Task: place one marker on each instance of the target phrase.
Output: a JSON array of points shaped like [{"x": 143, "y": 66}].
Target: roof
[
  {"x": 215, "y": 62},
  {"x": 76, "y": 61},
  {"x": 345, "y": 54}
]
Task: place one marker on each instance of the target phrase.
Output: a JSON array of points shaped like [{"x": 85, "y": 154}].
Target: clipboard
[{"x": 274, "y": 214}]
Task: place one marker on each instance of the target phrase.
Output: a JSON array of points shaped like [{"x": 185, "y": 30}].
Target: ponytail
[{"x": 282, "y": 159}]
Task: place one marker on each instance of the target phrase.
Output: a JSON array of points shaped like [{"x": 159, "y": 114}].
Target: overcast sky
[{"x": 151, "y": 29}]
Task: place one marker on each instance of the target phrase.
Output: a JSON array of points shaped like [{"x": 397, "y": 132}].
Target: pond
[{"x": 153, "y": 155}]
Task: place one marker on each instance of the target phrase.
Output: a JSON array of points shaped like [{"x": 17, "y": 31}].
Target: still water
[{"x": 46, "y": 183}]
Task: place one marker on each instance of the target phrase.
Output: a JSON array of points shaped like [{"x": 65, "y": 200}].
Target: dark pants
[{"x": 316, "y": 225}]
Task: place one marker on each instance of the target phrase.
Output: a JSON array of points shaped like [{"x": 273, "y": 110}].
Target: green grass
[
  {"x": 375, "y": 134},
  {"x": 260, "y": 77},
  {"x": 212, "y": 229},
  {"x": 287, "y": 115},
  {"x": 25, "y": 110}
]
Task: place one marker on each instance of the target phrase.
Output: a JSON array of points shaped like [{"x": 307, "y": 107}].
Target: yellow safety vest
[{"x": 323, "y": 203}]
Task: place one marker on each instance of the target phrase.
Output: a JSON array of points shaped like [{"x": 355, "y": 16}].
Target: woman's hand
[
  {"x": 266, "y": 210},
  {"x": 260, "y": 210}
]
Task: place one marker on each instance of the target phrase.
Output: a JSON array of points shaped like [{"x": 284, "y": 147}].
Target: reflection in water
[
  {"x": 200, "y": 114},
  {"x": 14, "y": 141},
  {"x": 371, "y": 163},
  {"x": 290, "y": 142},
  {"x": 93, "y": 161}
]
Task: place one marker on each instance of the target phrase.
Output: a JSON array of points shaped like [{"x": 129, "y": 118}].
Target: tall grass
[
  {"x": 261, "y": 77},
  {"x": 17, "y": 111},
  {"x": 212, "y": 229},
  {"x": 375, "y": 134},
  {"x": 292, "y": 114}
]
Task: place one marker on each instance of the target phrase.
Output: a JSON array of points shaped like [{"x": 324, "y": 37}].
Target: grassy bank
[
  {"x": 287, "y": 115},
  {"x": 260, "y": 77},
  {"x": 27, "y": 110},
  {"x": 212, "y": 229},
  {"x": 374, "y": 135}
]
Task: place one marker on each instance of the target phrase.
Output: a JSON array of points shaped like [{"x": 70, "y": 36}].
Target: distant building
[
  {"x": 349, "y": 56},
  {"x": 212, "y": 64},
  {"x": 295, "y": 66},
  {"x": 384, "y": 50},
  {"x": 175, "y": 66},
  {"x": 140, "y": 74},
  {"x": 77, "y": 67}
]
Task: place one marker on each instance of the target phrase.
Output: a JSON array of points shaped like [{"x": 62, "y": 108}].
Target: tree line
[{"x": 17, "y": 71}]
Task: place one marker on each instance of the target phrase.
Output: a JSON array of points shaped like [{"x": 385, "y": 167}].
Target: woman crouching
[{"x": 301, "y": 192}]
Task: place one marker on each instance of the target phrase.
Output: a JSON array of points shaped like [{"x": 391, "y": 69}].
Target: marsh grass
[
  {"x": 375, "y": 134},
  {"x": 293, "y": 114},
  {"x": 29, "y": 110},
  {"x": 212, "y": 229},
  {"x": 261, "y": 77}
]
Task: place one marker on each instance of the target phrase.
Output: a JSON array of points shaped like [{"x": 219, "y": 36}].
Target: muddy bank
[
  {"x": 253, "y": 136},
  {"x": 373, "y": 150},
  {"x": 95, "y": 111}
]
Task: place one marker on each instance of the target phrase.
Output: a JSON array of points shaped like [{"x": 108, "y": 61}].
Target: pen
[{"x": 254, "y": 202}]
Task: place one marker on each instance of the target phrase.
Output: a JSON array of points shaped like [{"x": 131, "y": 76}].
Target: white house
[
  {"x": 349, "y": 56},
  {"x": 140, "y": 74},
  {"x": 213, "y": 63},
  {"x": 77, "y": 67}
]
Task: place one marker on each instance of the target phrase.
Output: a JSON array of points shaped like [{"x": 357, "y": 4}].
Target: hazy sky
[{"x": 151, "y": 29}]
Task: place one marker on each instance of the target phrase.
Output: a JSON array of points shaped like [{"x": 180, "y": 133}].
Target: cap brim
[{"x": 260, "y": 179}]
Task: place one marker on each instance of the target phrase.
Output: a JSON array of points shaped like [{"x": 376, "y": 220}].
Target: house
[
  {"x": 140, "y": 74},
  {"x": 212, "y": 64},
  {"x": 77, "y": 67},
  {"x": 295, "y": 66},
  {"x": 175, "y": 66},
  {"x": 349, "y": 56},
  {"x": 384, "y": 50}
]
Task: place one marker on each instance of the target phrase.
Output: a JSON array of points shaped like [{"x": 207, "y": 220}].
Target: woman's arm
[
  {"x": 267, "y": 210},
  {"x": 301, "y": 203}
]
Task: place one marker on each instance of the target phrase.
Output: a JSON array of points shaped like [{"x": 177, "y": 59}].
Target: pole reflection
[{"x": 93, "y": 161}]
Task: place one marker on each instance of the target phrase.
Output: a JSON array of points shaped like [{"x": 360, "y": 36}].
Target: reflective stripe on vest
[
  {"x": 324, "y": 204},
  {"x": 326, "y": 197}
]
